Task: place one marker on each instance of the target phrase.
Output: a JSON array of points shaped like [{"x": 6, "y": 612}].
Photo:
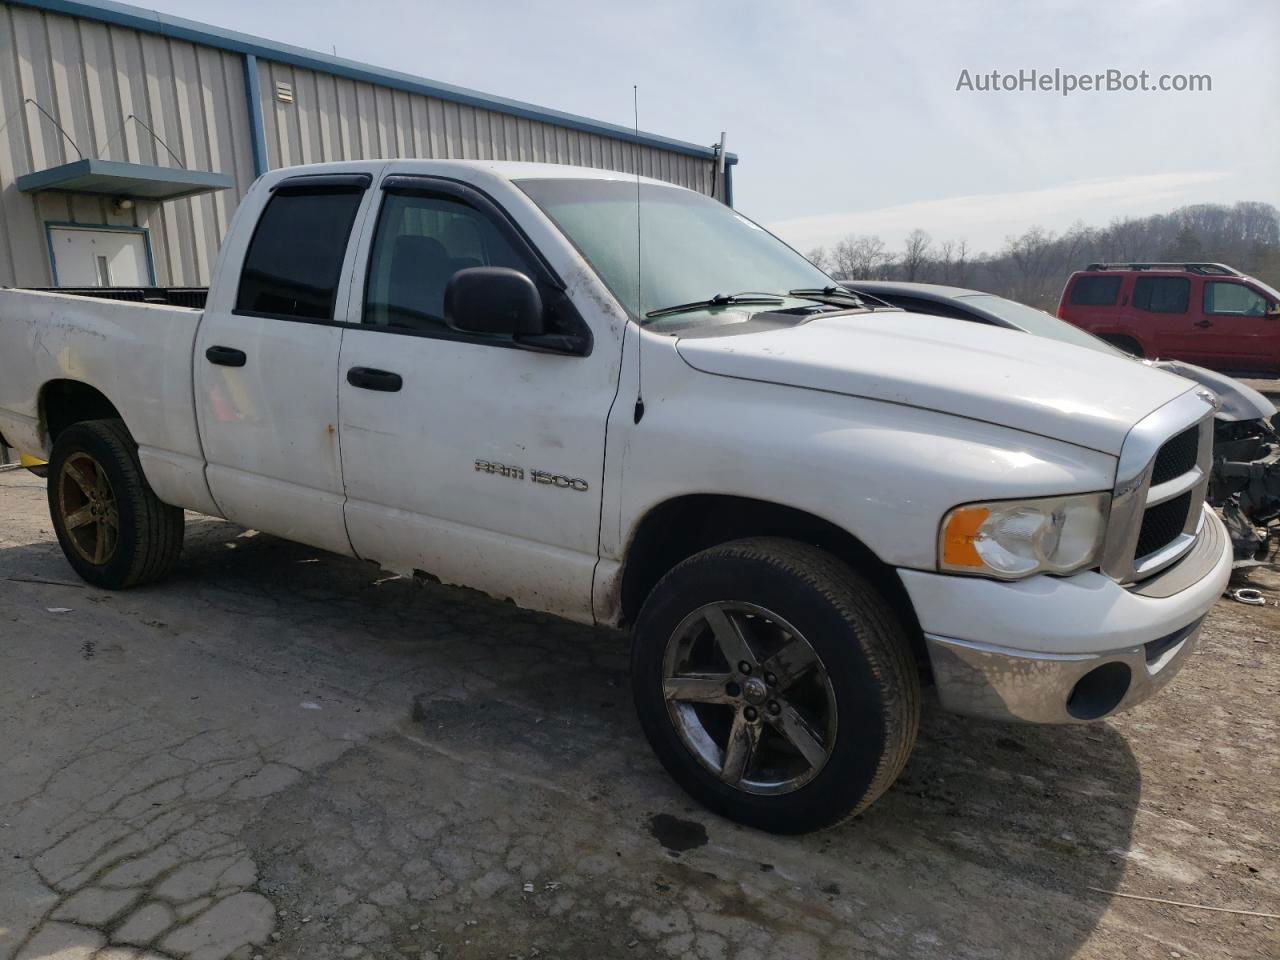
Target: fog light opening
[{"x": 1099, "y": 691}]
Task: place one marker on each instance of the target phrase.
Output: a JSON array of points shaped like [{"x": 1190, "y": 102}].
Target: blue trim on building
[
  {"x": 151, "y": 21},
  {"x": 50, "y": 225},
  {"x": 257, "y": 131},
  {"x": 114, "y": 178}
]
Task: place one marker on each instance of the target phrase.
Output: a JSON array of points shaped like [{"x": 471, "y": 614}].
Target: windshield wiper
[
  {"x": 828, "y": 294},
  {"x": 719, "y": 300}
]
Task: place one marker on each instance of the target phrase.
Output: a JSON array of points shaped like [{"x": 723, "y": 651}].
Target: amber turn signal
[{"x": 959, "y": 534}]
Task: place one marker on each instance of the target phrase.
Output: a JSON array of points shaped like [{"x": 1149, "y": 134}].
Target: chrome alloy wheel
[
  {"x": 750, "y": 697},
  {"x": 88, "y": 506}
]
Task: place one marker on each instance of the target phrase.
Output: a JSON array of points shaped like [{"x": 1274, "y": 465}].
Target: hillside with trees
[{"x": 1033, "y": 266}]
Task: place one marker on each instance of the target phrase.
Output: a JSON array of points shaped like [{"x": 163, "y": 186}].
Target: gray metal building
[{"x": 130, "y": 136}]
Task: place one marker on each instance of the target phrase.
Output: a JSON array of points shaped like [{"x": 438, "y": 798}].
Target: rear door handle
[
  {"x": 1204, "y": 323},
  {"x": 226, "y": 356},
  {"x": 367, "y": 378}
]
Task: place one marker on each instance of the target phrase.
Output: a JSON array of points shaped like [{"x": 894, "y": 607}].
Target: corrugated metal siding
[
  {"x": 335, "y": 118},
  {"x": 91, "y": 77}
]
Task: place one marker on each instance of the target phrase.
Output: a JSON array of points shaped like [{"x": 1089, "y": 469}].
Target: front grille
[
  {"x": 1162, "y": 523},
  {"x": 1158, "y": 497},
  {"x": 1177, "y": 457}
]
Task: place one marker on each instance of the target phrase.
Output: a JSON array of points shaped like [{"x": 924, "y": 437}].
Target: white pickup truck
[{"x": 805, "y": 508}]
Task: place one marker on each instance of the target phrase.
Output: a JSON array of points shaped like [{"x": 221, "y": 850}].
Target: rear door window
[
  {"x": 294, "y": 262},
  {"x": 1162, "y": 294},
  {"x": 1095, "y": 291}
]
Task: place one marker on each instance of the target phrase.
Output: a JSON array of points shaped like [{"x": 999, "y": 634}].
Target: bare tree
[
  {"x": 1185, "y": 246},
  {"x": 821, "y": 259},
  {"x": 961, "y": 267},
  {"x": 915, "y": 255},
  {"x": 1030, "y": 261},
  {"x": 952, "y": 262},
  {"x": 860, "y": 258}
]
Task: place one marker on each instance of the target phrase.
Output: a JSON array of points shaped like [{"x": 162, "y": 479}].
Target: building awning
[{"x": 136, "y": 180}]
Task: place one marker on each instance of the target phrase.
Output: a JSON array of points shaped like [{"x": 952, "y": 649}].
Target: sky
[{"x": 846, "y": 116}]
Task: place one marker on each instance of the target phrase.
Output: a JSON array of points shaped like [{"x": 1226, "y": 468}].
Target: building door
[{"x": 99, "y": 258}]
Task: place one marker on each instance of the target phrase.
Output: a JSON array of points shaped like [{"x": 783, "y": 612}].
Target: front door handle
[
  {"x": 367, "y": 378},
  {"x": 1204, "y": 323},
  {"x": 226, "y": 356}
]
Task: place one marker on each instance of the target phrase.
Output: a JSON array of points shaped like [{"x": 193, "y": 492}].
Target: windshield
[
  {"x": 695, "y": 248},
  {"x": 1038, "y": 322}
]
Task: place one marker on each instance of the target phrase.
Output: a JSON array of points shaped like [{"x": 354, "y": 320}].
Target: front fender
[{"x": 884, "y": 472}]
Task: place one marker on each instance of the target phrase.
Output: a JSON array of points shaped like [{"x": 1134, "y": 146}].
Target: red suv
[{"x": 1204, "y": 313}]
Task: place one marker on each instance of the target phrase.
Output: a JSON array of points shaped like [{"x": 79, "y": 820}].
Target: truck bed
[
  {"x": 119, "y": 342},
  {"x": 165, "y": 296}
]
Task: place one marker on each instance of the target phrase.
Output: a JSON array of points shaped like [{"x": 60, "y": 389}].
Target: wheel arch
[
  {"x": 679, "y": 527},
  {"x": 66, "y": 402}
]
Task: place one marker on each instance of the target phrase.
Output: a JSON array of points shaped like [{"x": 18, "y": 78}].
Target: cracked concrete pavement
[{"x": 280, "y": 753}]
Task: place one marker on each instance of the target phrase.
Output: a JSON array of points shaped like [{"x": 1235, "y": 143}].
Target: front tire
[
  {"x": 775, "y": 684},
  {"x": 112, "y": 528}
]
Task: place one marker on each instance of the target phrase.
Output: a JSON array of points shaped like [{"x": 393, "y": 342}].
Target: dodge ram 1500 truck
[{"x": 624, "y": 403}]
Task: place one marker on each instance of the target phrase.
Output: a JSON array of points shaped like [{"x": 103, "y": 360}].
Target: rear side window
[
  {"x": 295, "y": 256},
  {"x": 1161, "y": 294},
  {"x": 1095, "y": 291},
  {"x": 1233, "y": 298}
]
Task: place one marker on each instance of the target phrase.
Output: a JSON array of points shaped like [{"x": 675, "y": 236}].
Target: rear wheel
[
  {"x": 112, "y": 528},
  {"x": 775, "y": 684}
]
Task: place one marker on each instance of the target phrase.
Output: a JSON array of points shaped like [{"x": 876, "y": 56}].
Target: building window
[
  {"x": 1161, "y": 294},
  {"x": 295, "y": 258}
]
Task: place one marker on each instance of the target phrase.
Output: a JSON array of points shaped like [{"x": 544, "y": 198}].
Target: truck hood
[{"x": 1006, "y": 377}]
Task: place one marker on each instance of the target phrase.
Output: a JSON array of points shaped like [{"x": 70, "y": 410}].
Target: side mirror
[
  {"x": 1273, "y": 310},
  {"x": 493, "y": 300}
]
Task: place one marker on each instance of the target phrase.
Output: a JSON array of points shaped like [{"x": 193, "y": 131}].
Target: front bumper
[{"x": 1066, "y": 650}]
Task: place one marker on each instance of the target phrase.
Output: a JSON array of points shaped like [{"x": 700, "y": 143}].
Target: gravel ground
[{"x": 280, "y": 753}]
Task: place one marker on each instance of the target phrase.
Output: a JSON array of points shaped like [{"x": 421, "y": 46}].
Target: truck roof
[{"x": 506, "y": 169}]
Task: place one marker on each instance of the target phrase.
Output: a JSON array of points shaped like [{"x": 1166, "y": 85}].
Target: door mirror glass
[
  {"x": 493, "y": 300},
  {"x": 1273, "y": 310}
]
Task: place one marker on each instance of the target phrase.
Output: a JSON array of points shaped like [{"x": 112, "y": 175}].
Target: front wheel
[
  {"x": 112, "y": 528},
  {"x": 775, "y": 684}
]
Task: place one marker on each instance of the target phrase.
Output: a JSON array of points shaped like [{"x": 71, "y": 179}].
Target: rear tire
[
  {"x": 823, "y": 721},
  {"x": 112, "y": 528}
]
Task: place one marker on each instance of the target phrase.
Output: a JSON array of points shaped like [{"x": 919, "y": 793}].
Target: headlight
[{"x": 1010, "y": 539}]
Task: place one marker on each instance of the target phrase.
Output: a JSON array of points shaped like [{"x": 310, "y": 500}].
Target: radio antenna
[{"x": 635, "y": 152}]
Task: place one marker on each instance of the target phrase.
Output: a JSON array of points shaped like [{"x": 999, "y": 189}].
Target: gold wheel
[{"x": 88, "y": 506}]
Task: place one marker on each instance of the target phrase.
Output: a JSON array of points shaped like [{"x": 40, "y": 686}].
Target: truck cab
[{"x": 1204, "y": 313}]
